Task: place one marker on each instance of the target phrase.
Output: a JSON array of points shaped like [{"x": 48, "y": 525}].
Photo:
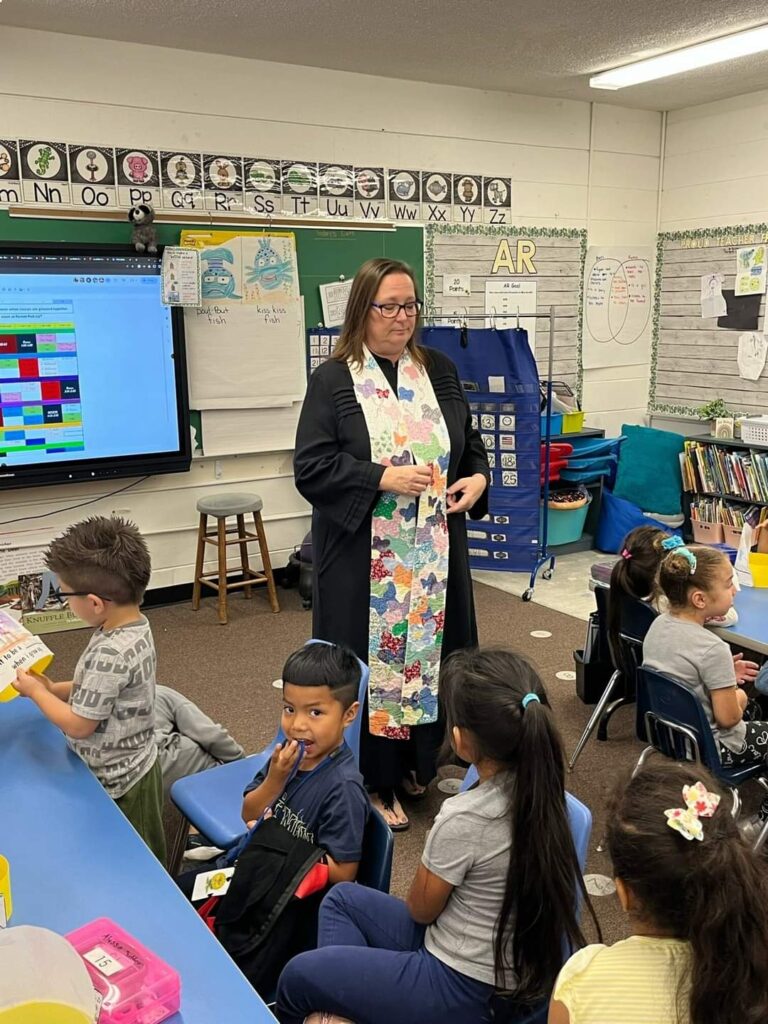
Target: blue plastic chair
[
  {"x": 212, "y": 800},
  {"x": 671, "y": 719},
  {"x": 375, "y": 869},
  {"x": 580, "y": 820}
]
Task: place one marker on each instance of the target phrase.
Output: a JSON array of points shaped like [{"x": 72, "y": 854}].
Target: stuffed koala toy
[{"x": 144, "y": 234}]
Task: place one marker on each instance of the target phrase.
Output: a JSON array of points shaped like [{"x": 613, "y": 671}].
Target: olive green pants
[{"x": 143, "y": 807}]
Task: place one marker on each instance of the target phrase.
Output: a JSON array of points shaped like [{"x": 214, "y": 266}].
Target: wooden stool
[{"x": 220, "y": 507}]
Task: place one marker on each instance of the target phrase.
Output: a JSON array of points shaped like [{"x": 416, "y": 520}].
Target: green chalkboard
[{"x": 323, "y": 254}]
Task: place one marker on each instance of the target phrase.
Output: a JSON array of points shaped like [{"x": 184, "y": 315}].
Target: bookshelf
[{"x": 727, "y": 482}]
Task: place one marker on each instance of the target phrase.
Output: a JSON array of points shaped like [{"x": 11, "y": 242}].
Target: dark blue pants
[{"x": 372, "y": 968}]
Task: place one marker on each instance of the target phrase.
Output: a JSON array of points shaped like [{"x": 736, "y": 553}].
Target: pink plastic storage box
[{"x": 135, "y": 986}]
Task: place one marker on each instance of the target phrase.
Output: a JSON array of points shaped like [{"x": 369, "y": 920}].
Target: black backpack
[{"x": 260, "y": 920}]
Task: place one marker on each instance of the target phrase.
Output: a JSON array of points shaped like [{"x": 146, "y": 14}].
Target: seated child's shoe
[
  {"x": 197, "y": 848},
  {"x": 203, "y": 853}
]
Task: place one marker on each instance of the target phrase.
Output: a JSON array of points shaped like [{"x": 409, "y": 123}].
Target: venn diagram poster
[{"x": 617, "y": 306}]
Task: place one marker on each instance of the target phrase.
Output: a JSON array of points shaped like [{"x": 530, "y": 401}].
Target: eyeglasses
[
  {"x": 60, "y": 594},
  {"x": 391, "y": 309}
]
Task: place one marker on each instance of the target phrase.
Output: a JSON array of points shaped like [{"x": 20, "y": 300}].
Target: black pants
[
  {"x": 755, "y": 748},
  {"x": 385, "y": 762}
]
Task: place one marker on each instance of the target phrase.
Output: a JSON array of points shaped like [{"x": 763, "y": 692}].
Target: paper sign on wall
[
  {"x": 750, "y": 270},
  {"x": 617, "y": 306},
  {"x": 334, "y": 298},
  {"x": 180, "y": 276},
  {"x": 246, "y": 431},
  {"x": 505, "y": 299},
  {"x": 751, "y": 356},
  {"x": 457, "y": 284},
  {"x": 245, "y": 355},
  {"x": 712, "y": 301}
]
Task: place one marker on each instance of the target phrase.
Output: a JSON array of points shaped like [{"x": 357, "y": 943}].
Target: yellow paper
[
  {"x": 191, "y": 238},
  {"x": 5, "y": 886}
]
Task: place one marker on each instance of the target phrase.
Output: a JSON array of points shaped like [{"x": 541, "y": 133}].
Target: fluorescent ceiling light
[{"x": 700, "y": 55}]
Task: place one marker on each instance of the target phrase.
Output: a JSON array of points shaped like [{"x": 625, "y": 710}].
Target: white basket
[{"x": 755, "y": 430}]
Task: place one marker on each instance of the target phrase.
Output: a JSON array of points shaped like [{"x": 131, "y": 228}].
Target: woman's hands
[
  {"x": 470, "y": 488},
  {"x": 414, "y": 480},
  {"x": 410, "y": 480}
]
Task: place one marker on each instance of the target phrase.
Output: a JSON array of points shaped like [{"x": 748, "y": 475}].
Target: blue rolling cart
[{"x": 502, "y": 384}]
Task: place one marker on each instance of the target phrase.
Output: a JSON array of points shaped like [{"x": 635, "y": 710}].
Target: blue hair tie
[
  {"x": 528, "y": 698},
  {"x": 677, "y": 544}
]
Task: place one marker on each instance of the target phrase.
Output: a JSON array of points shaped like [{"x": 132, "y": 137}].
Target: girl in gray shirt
[
  {"x": 472, "y": 931},
  {"x": 698, "y": 583}
]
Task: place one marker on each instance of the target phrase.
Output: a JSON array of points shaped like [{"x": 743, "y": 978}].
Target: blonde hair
[
  {"x": 676, "y": 578},
  {"x": 366, "y": 284}
]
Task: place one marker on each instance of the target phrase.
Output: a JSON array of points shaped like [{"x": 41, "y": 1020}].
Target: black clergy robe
[{"x": 334, "y": 472}]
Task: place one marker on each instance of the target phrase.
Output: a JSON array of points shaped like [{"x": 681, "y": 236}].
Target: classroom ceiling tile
[{"x": 547, "y": 48}]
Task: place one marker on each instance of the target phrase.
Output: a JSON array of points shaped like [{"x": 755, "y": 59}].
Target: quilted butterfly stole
[{"x": 409, "y": 548}]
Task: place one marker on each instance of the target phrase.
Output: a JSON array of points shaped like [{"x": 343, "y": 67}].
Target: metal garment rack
[{"x": 459, "y": 319}]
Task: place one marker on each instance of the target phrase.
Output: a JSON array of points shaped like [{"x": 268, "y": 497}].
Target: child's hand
[
  {"x": 27, "y": 682},
  {"x": 284, "y": 760},
  {"x": 743, "y": 700},
  {"x": 746, "y": 671}
]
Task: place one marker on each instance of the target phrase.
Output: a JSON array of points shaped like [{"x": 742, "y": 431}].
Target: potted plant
[{"x": 720, "y": 417}]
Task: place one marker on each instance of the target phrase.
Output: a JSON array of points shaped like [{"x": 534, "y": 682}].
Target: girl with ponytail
[
  {"x": 695, "y": 894},
  {"x": 698, "y": 583},
  {"x": 496, "y": 898},
  {"x": 636, "y": 573}
]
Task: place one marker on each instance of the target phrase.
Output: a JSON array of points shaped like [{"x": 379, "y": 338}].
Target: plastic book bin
[
  {"x": 556, "y": 424},
  {"x": 573, "y": 422},
  {"x": 708, "y": 533},
  {"x": 733, "y": 535},
  {"x": 135, "y": 986}
]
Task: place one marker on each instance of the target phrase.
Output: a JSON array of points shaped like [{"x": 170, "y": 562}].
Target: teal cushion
[{"x": 649, "y": 470}]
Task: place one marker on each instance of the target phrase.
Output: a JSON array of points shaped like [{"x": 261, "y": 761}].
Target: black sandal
[
  {"x": 408, "y": 786},
  {"x": 386, "y": 805}
]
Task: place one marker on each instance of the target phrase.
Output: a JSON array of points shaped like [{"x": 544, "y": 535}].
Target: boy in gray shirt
[
  {"x": 107, "y": 711},
  {"x": 188, "y": 741}
]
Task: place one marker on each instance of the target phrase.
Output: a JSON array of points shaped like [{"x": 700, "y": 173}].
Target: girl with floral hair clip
[{"x": 695, "y": 895}]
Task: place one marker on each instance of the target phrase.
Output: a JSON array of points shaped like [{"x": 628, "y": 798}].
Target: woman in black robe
[{"x": 334, "y": 472}]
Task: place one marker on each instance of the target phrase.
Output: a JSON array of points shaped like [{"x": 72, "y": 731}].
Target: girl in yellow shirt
[{"x": 696, "y": 896}]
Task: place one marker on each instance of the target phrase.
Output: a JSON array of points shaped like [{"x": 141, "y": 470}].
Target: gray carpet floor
[{"x": 229, "y": 670}]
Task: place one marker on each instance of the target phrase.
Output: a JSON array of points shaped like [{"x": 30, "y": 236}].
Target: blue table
[
  {"x": 751, "y": 630},
  {"x": 74, "y": 857}
]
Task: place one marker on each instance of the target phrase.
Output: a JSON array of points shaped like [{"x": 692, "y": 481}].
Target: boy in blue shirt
[{"x": 325, "y": 802}]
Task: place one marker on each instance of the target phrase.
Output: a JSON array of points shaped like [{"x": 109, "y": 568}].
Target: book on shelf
[
  {"x": 719, "y": 510},
  {"x": 707, "y": 468}
]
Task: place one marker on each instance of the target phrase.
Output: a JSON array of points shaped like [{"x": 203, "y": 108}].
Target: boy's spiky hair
[{"x": 103, "y": 555}]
